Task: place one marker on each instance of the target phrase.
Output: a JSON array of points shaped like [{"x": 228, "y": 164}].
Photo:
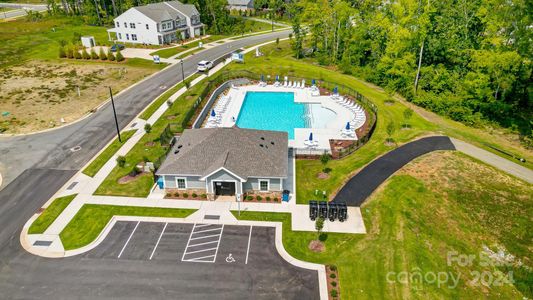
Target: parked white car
[{"x": 204, "y": 65}]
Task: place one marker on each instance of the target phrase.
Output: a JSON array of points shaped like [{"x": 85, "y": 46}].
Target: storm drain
[
  {"x": 211, "y": 217},
  {"x": 133, "y": 125},
  {"x": 42, "y": 243},
  {"x": 75, "y": 149},
  {"x": 72, "y": 185}
]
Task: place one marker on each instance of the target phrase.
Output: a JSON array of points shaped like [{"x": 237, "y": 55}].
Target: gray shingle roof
[
  {"x": 170, "y": 10},
  {"x": 240, "y": 2},
  {"x": 244, "y": 152}
]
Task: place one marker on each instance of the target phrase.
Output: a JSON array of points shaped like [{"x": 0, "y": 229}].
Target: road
[
  {"x": 35, "y": 166},
  {"x": 19, "y": 9}
]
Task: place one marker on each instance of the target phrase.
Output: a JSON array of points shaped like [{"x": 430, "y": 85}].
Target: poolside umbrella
[
  {"x": 213, "y": 113},
  {"x": 277, "y": 77},
  {"x": 303, "y": 82},
  {"x": 311, "y": 136},
  {"x": 313, "y": 82},
  {"x": 262, "y": 78},
  {"x": 336, "y": 90},
  {"x": 347, "y": 125}
]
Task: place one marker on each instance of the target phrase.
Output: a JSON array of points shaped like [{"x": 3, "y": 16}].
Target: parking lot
[{"x": 238, "y": 261}]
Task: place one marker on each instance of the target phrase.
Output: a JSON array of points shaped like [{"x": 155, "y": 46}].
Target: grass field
[
  {"x": 150, "y": 110},
  {"x": 47, "y": 217},
  {"x": 100, "y": 161},
  {"x": 440, "y": 203},
  {"x": 91, "y": 219}
]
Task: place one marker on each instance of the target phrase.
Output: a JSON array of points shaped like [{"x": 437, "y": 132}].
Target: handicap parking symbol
[{"x": 230, "y": 259}]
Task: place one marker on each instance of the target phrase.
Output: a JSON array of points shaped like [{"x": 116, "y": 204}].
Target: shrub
[
  {"x": 258, "y": 198},
  {"x": 62, "y": 52},
  {"x": 111, "y": 56},
  {"x": 203, "y": 196},
  {"x": 77, "y": 54},
  {"x": 70, "y": 52},
  {"x": 176, "y": 194},
  {"x": 102, "y": 54},
  {"x": 169, "y": 103},
  {"x": 267, "y": 198},
  {"x": 333, "y": 268},
  {"x": 85, "y": 54},
  {"x": 187, "y": 84},
  {"x": 134, "y": 172},
  {"x": 334, "y": 283},
  {"x": 147, "y": 127},
  {"x": 121, "y": 161},
  {"x": 276, "y": 199},
  {"x": 185, "y": 195},
  {"x": 332, "y": 275},
  {"x": 249, "y": 198},
  {"x": 194, "y": 195},
  {"x": 93, "y": 54},
  {"x": 334, "y": 293},
  {"x": 120, "y": 57},
  {"x": 326, "y": 170}
]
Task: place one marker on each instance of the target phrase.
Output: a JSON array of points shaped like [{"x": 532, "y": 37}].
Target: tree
[
  {"x": 147, "y": 127},
  {"x": 85, "y": 54},
  {"x": 110, "y": 56},
  {"x": 119, "y": 56},
  {"x": 390, "y": 131},
  {"x": 407, "y": 114},
  {"x": 324, "y": 159},
  {"x": 121, "y": 161},
  {"x": 62, "y": 52},
  {"x": 77, "y": 54},
  {"x": 319, "y": 225},
  {"x": 277, "y": 42},
  {"x": 70, "y": 52},
  {"x": 102, "y": 54}
]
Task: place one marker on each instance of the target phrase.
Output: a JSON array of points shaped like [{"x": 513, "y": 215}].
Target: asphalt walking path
[{"x": 363, "y": 184}]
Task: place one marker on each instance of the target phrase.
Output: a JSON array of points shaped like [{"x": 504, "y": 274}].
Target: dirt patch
[
  {"x": 128, "y": 178},
  {"x": 322, "y": 175},
  {"x": 317, "y": 246},
  {"x": 149, "y": 144},
  {"x": 41, "y": 95}
]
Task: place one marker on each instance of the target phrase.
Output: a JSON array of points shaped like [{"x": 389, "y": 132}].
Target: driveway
[{"x": 151, "y": 260}]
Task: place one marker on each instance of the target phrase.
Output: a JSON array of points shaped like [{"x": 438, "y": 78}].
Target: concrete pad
[{"x": 354, "y": 223}]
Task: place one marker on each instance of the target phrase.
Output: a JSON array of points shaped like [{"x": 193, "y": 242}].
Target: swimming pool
[{"x": 277, "y": 111}]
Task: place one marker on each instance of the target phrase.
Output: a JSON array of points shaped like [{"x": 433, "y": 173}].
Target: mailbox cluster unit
[{"x": 325, "y": 210}]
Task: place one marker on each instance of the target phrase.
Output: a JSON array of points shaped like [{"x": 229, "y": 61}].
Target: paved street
[
  {"x": 143, "y": 260},
  {"x": 18, "y": 10},
  {"x": 35, "y": 166}
]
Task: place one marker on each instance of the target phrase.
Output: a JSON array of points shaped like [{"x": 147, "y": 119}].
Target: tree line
[{"x": 467, "y": 59}]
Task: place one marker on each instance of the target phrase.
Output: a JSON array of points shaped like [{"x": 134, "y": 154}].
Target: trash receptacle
[
  {"x": 332, "y": 211},
  {"x": 285, "y": 196},
  {"x": 323, "y": 209},
  {"x": 160, "y": 183},
  {"x": 313, "y": 209},
  {"x": 342, "y": 211}
]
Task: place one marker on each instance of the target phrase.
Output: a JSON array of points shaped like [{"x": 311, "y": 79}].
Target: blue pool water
[{"x": 273, "y": 111}]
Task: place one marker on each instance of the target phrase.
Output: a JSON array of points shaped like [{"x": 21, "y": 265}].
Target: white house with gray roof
[
  {"x": 157, "y": 23},
  {"x": 227, "y": 161},
  {"x": 240, "y": 4}
]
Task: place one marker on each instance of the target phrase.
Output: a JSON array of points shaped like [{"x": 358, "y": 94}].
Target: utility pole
[
  {"x": 182, "y": 73},
  {"x": 115, "y": 114}
]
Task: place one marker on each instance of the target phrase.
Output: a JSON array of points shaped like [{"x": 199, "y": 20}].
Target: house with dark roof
[
  {"x": 227, "y": 161},
  {"x": 240, "y": 4},
  {"x": 157, "y": 23}
]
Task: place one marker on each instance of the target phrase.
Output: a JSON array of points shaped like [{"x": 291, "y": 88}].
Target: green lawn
[
  {"x": 100, "y": 161},
  {"x": 91, "y": 220},
  {"x": 150, "y": 148},
  {"x": 150, "y": 110},
  {"x": 47, "y": 217},
  {"x": 171, "y": 51},
  {"x": 442, "y": 202}
]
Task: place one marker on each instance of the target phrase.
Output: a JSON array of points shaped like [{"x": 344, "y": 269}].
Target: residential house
[
  {"x": 226, "y": 161},
  {"x": 240, "y": 4},
  {"x": 157, "y": 23}
]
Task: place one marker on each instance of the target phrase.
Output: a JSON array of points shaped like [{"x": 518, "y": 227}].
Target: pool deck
[{"x": 321, "y": 135}]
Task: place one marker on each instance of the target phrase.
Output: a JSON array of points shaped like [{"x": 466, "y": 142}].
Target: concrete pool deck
[{"x": 332, "y": 129}]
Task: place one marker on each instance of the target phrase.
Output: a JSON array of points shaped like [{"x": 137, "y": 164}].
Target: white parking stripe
[
  {"x": 126, "y": 244},
  {"x": 203, "y": 225},
  {"x": 203, "y": 237},
  {"x": 199, "y": 259},
  {"x": 207, "y": 230},
  {"x": 203, "y": 243},
  {"x": 188, "y": 241},
  {"x": 158, "y": 240},
  {"x": 248, "y": 249},
  {"x": 197, "y": 251},
  {"x": 218, "y": 245}
]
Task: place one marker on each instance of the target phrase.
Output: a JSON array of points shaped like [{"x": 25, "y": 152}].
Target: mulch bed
[
  {"x": 322, "y": 175},
  {"x": 317, "y": 246},
  {"x": 333, "y": 283},
  {"x": 149, "y": 144},
  {"x": 128, "y": 178}
]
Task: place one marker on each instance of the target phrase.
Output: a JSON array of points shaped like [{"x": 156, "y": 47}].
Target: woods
[{"x": 468, "y": 60}]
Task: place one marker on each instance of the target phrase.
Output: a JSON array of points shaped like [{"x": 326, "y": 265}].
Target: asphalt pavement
[
  {"x": 35, "y": 166},
  {"x": 363, "y": 184},
  {"x": 19, "y": 9}
]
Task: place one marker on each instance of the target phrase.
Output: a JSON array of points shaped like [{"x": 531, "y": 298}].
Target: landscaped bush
[
  {"x": 121, "y": 161},
  {"x": 70, "y": 52},
  {"x": 168, "y": 195},
  {"x": 176, "y": 194},
  {"x": 276, "y": 199},
  {"x": 194, "y": 195},
  {"x": 94, "y": 55},
  {"x": 334, "y": 293},
  {"x": 134, "y": 172},
  {"x": 77, "y": 54},
  {"x": 102, "y": 54},
  {"x": 169, "y": 103},
  {"x": 333, "y": 268},
  {"x": 203, "y": 196},
  {"x": 147, "y": 127},
  {"x": 249, "y": 198},
  {"x": 62, "y": 52},
  {"x": 258, "y": 198},
  {"x": 85, "y": 54},
  {"x": 334, "y": 283},
  {"x": 185, "y": 195},
  {"x": 120, "y": 57},
  {"x": 332, "y": 275},
  {"x": 111, "y": 56},
  {"x": 267, "y": 198}
]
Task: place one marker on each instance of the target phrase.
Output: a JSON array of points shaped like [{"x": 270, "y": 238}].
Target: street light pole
[
  {"x": 115, "y": 114},
  {"x": 182, "y": 74}
]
